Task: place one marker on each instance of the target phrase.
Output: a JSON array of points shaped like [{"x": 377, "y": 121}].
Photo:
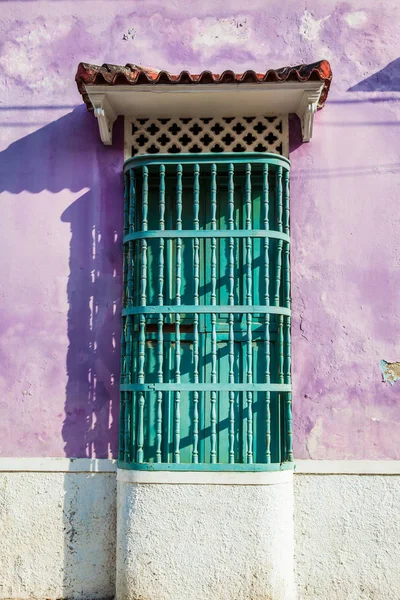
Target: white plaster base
[
  {"x": 57, "y": 535},
  {"x": 347, "y": 533},
  {"x": 220, "y": 537},
  {"x": 205, "y": 541}
]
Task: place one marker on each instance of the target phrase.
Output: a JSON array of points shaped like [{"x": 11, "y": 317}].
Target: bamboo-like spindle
[
  {"x": 213, "y": 395},
  {"x": 231, "y": 224},
  {"x": 125, "y": 246},
  {"x": 196, "y": 268},
  {"x": 178, "y": 270},
  {"x": 142, "y": 320},
  {"x": 132, "y": 202},
  {"x": 122, "y": 428},
  {"x": 277, "y": 297},
  {"x": 265, "y": 198},
  {"x": 249, "y": 302},
  {"x": 160, "y": 344},
  {"x": 287, "y": 340},
  {"x": 122, "y": 423},
  {"x": 141, "y": 360}
]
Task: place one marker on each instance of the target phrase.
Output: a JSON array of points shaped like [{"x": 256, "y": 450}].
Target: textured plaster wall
[
  {"x": 347, "y": 537},
  {"x": 207, "y": 541},
  {"x": 59, "y": 537},
  {"x": 61, "y": 213},
  {"x": 58, "y": 534}
]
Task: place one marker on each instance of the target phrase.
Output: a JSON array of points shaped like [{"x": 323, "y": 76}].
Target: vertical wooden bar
[
  {"x": 287, "y": 340},
  {"x": 249, "y": 302},
  {"x": 265, "y": 197},
  {"x": 160, "y": 343},
  {"x": 123, "y": 424},
  {"x": 178, "y": 271},
  {"x": 279, "y": 213},
  {"x": 196, "y": 269},
  {"x": 126, "y": 202},
  {"x": 128, "y": 379},
  {"x": 125, "y": 245},
  {"x": 277, "y": 296},
  {"x": 142, "y": 318},
  {"x": 213, "y": 396},
  {"x": 177, "y": 428},
  {"x": 141, "y": 360},
  {"x": 131, "y": 246},
  {"x": 125, "y": 274},
  {"x": 129, "y": 450},
  {"x": 132, "y": 202},
  {"x": 231, "y": 224}
]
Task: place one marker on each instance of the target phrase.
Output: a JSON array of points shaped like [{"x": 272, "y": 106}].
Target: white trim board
[
  {"x": 205, "y": 477},
  {"x": 105, "y": 465},
  {"x": 268, "y": 98},
  {"x": 59, "y": 465},
  {"x": 347, "y": 467}
]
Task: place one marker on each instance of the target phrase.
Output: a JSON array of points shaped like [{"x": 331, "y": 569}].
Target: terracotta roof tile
[{"x": 130, "y": 74}]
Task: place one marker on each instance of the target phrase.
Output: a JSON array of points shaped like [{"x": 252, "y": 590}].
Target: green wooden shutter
[{"x": 205, "y": 374}]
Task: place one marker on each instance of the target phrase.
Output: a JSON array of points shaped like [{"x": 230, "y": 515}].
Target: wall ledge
[
  {"x": 105, "y": 465},
  {"x": 347, "y": 467},
  {"x": 205, "y": 477},
  {"x": 58, "y": 465}
]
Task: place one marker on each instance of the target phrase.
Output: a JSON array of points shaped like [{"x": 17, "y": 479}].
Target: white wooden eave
[{"x": 205, "y": 100}]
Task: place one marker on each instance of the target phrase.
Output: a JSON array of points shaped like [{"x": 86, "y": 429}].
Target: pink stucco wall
[{"x": 61, "y": 213}]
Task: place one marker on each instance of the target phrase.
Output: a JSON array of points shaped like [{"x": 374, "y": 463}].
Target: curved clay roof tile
[{"x": 132, "y": 74}]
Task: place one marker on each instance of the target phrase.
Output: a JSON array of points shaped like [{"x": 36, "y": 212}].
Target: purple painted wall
[{"x": 61, "y": 213}]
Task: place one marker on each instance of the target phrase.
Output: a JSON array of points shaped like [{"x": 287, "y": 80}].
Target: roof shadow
[{"x": 385, "y": 80}]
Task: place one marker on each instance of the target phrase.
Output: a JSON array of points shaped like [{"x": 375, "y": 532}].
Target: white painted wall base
[
  {"x": 58, "y": 533},
  {"x": 347, "y": 534},
  {"x": 205, "y": 541}
]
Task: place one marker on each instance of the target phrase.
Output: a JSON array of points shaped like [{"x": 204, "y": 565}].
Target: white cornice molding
[
  {"x": 306, "y": 112},
  {"x": 106, "y": 117},
  {"x": 208, "y": 100}
]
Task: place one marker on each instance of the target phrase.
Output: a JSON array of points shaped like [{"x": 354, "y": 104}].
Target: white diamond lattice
[{"x": 197, "y": 135}]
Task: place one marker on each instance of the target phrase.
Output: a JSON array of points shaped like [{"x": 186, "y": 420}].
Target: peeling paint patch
[
  {"x": 217, "y": 32},
  {"x": 309, "y": 27},
  {"x": 356, "y": 19},
  {"x": 390, "y": 371},
  {"x": 129, "y": 35}
]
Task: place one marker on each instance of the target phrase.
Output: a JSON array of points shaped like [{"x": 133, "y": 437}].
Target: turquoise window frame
[{"x": 205, "y": 352}]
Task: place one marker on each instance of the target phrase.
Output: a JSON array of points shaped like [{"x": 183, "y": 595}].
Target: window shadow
[
  {"x": 67, "y": 154},
  {"x": 295, "y": 136}
]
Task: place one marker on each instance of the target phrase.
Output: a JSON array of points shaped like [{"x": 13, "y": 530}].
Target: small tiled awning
[{"x": 108, "y": 91}]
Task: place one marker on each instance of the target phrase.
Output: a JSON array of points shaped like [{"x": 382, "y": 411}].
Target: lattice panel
[{"x": 197, "y": 135}]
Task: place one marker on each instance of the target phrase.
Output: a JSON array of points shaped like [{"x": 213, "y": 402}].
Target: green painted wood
[
  {"x": 255, "y": 467},
  {"x": 196, "y": 296},
  {"x": 217, "y": 309},
  {"x": 231, "y": 296},
  {"x": 207, "y": 387},
  {"x": 287, "y": 353},
  {"x": 261, "y": 233},
  {"x": 208, "y": 158},
  {"x": 205, "y": 377}
]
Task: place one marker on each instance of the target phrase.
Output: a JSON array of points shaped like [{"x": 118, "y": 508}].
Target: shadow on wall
[
  {"x": 68, "y": 154},
  {"x": 385, "y": 80}
]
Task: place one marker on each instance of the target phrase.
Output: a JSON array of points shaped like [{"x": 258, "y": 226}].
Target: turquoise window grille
[{"x": 205, "y": 370}]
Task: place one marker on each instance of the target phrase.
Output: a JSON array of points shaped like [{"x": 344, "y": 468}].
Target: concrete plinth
[{"x": 219, "y": 536}]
